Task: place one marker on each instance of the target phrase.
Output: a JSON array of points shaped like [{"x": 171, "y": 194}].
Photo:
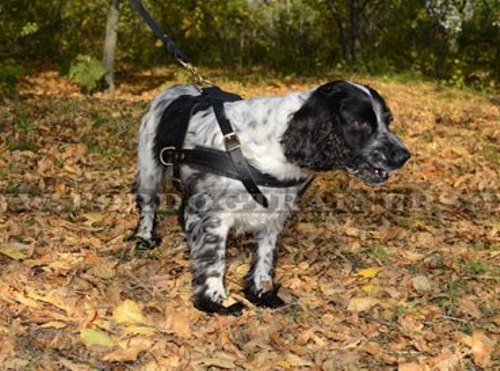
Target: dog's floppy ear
[{"x": 313, "y": 138}]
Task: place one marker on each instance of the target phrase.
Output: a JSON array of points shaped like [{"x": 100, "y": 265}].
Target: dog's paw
[
  {"x": 143, "y": 244},
  {"x": 206, "y": 305},
  {"x": 268, "y": 299}
]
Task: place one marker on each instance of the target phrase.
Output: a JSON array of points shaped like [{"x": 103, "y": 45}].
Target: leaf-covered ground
[{"x": 404, "y": 276}]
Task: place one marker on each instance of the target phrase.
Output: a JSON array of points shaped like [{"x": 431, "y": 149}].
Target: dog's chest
[{"x": 209, "y": 192}]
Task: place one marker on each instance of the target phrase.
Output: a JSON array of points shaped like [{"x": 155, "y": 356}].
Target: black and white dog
[{"x": 339, "y": 125}]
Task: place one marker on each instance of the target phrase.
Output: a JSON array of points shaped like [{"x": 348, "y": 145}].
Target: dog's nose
[{"x": 401, "y": 156}]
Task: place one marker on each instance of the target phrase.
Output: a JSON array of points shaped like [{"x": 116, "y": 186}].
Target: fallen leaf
[
  {"x": 178, "y": 323},
  {"x": 54, "y": 324},
  {"x": 222, "y": 362},
  {"x": 131, "y": 352},
  {"x": 362, "y": 304},
  {"x": 242, "y": 269},
  {"x": 446, "y": 361},
  {"x": 370, "y": 272},
  {"x": 284, "y": 364},
  {"x": 305, "y": 336},
  {"x": 409, "y": 323},
  {"x": 91, "y": 337},
  {"x": 140, "y": 330},
  {"x": 15, "y": 250},
  {"x": 162, "y": 363},
  {"x": 369, "y": 289},
  {"x": 412, "y": 366},
  {"x": 372, "y": 348},
  {"x": 481, "y": 347},
  {"x": 425, "y": 239},
  {"x": 467, "y": 306},
  {"x": 102, "y": 271},
  {"x": 128, "y": 311},
  {"x": 421, "y": 283},
  {"x": 296, "y": 361}
]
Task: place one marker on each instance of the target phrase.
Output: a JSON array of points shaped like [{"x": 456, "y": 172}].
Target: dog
[{"x": 337, "y": 126}]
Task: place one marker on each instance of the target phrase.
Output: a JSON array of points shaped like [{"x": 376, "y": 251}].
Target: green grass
[
  {"x": 22, "y": 145},
  {"x": 491, "y": 153},
  {"x": 379, "y": 252},
  {"x": 476, "y": 267}
]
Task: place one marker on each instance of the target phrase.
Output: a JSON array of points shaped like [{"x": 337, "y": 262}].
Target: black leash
[
  {"x": 155, "y": 27},
  {"x": 169, "y": 44},
  {"x": 172, "y": 154}
]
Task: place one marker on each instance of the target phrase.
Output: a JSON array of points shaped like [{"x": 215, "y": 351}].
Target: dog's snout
[
  {"x": 396, "y": 152},
  {"x": 401, "y": 155}
]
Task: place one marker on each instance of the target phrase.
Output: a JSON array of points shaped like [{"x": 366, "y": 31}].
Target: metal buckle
[
  {"x": 231, "y": 142},
  {"x": 171, "y": 159}
]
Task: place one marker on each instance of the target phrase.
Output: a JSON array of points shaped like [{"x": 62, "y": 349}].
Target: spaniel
[{"x": 338, "y": 125}]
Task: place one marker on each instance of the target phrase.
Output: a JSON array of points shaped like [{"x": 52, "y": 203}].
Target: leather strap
[
  {"x": 220, "y": 162},
  {"x": 233, "y": 148}
]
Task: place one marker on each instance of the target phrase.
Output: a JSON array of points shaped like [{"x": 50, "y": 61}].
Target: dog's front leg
[
  {"x": 260, "y": 287},
  {"x": 147, "y": 188},
  {"x": 207, "y": 235}
]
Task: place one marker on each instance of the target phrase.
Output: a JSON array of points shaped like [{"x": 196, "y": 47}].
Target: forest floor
[{"x": 404, "y": 276}]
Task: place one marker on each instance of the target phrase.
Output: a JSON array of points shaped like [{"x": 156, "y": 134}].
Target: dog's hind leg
[
  {"x": 148, "y": 183},
  {"x": 207, "y": 234},
  {"x": 260, "y": 287}
]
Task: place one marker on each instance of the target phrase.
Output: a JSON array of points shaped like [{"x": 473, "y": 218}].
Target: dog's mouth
[{"x": 372, "y": 175}]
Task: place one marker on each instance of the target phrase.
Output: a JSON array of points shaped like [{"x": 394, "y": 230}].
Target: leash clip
[{"x": 198, "y": 79}]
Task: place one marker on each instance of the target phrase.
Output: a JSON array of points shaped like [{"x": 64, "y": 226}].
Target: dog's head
[{"x": 345, "y": 125}]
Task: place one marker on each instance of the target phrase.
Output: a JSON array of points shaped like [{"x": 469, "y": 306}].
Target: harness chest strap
[{"x": 219, "y": 162}]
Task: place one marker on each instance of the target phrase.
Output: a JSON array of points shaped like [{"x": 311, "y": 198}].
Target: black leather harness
[{"x": 230, "y": 163}]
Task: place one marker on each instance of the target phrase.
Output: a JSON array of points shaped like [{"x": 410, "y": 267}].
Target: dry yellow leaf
[
  {"x": 130, "y": 352},
  {"x": 14, "y": 250},
  {"x": 284, "y": 364},
  {"x": 370, "y": 272},
  {"x": 296, "y": 361},
  {"x": 102, "y": 271},
  {"x": 369, "y": 289},
  {"x": 178, "y": 323},
  {"x": 362, "y": 304},
  {"x": 54, "y": 324},
  {"x": 128, "y": 311},
  {"x": 140, "y": 330},
  {"x": 242, "y": 269},
  {"x": 91, "y": 337}
]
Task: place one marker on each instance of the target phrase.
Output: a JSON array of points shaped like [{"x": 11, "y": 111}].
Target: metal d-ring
[{"x": 164, "y": 163}]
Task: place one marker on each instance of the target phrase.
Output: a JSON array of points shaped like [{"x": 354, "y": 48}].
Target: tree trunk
[
  {"x": 337, "y": 18},
  {"x": 108, "y": 59},
  {"x": 354, "y": 23}
]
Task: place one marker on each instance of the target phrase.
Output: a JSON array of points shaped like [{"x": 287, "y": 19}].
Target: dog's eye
[{"x": 361, "y": 125}]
